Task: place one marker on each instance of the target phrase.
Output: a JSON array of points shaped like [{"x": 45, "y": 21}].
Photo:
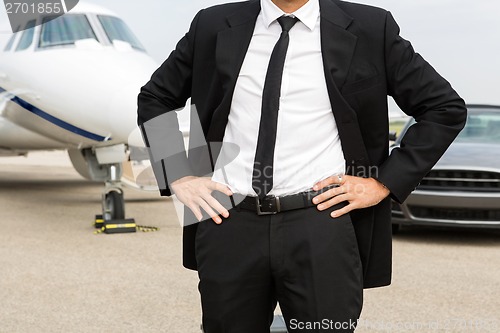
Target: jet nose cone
[{"x": 122, "y": 115}]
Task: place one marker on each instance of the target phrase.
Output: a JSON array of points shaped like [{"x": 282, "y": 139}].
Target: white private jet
[{"x": 72, "y": 83}]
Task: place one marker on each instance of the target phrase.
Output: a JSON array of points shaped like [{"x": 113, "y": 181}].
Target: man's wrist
[{"x": 387, "y": 191}]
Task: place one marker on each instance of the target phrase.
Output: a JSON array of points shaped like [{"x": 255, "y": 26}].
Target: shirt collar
[{"x": 307, "y": 14}]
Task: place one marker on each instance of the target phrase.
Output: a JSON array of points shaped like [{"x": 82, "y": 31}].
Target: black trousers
[{"x": 303, "y": 259}]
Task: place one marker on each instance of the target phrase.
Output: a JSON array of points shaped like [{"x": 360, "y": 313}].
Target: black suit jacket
[{"x": 365, "y": 60}]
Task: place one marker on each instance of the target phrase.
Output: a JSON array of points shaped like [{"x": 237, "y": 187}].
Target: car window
[
  {"x": 65, "y": 30},
  {"x": 27, "y": 36},
  {"x": 482, "y": 127},
  {"x": 116, "y": 29}
]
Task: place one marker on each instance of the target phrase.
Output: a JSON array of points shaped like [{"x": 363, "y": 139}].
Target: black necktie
[{"x": 262, "y": 180}]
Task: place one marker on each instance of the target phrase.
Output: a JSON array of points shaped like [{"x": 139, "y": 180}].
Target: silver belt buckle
[{"x": 277, "y": 205}]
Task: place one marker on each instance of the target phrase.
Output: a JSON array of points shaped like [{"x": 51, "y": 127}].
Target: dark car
[{"x": 463, "y": 189}]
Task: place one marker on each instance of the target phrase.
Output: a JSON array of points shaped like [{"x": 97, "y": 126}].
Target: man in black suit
[{"x": 311, "y": 225}]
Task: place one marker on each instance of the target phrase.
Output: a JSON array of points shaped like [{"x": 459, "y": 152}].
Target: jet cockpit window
[
  {"x": 116, "y": 29},
  {"x": 65, "y": 30},
  {"x": 10, "y": 43},
  {"x": 27, "y": 36}
]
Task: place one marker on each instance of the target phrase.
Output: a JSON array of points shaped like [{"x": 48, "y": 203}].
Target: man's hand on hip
[
  {"x": 196, "y": 194},
  {"x": 358, "y": 192}
]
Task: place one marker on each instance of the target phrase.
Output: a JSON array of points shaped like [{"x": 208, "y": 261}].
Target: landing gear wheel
[{"x": 114, "y": 206}]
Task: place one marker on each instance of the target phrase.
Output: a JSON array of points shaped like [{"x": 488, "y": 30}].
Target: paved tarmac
[{"x": 57, "y": 276}]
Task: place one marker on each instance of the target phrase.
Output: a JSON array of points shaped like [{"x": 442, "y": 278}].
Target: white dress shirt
[{"x": 307, "y": 141}]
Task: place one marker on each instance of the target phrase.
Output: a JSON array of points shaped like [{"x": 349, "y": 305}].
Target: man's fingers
[
  {"x": 206, "y": 207},
  {"x": 334, "y": 201},
  {"x": 196, "y": 211},
  {"x": 335, "y": 179},
  {"x": 220, "y": 187},
  {"x": 196, "y": 194},
  {"x": 327, "y": 195},
  {"x": 216, "y": 205},
  {"x": 342, "y": 211},
  {"x": 323, "y": 183}
]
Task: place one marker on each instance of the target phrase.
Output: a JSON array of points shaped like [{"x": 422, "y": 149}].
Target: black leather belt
[{"x": 272, "y": 205}]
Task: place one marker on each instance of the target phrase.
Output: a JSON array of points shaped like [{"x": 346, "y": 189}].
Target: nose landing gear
[
  {"x": 113, "y": 205},
  {"x": 113, "y": 202},
  {"x": 113, "y": 219}
]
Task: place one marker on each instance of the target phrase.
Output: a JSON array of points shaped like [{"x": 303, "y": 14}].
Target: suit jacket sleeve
[
  {"x": 168, "y": 90},
  {"x": 422, "y": 93}
]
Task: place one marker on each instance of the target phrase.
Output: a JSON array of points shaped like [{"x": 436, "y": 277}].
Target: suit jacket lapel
[
  {"x": 232, "y": 46},
  {"x": 338, "y": 45}
]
